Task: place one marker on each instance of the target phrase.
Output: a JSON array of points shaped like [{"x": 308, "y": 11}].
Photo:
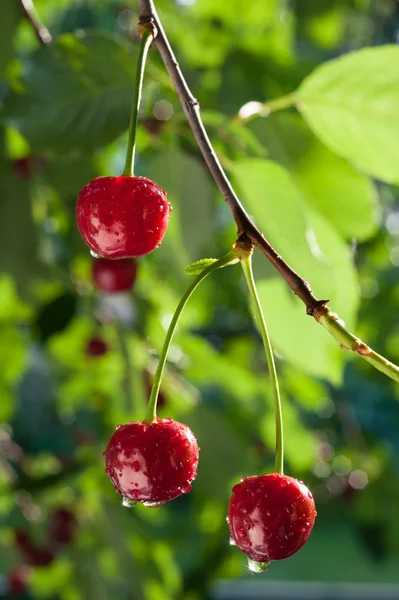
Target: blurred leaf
[
  {"x": 68, "y": 346},
  {"x": 6, "y": 403},
  {"x": 47, "y": 582},
  {"x": 11, "y": 307},
  {"x": 328, "y": 183},
  {"x": 200, "y": 265},
  {"x": 272, "y": 198},
  {"x": 10, "y": 15},
  {"x": 191, "y": 193},
  {"x": 296, "y": 436},
  {"x": 351, "y": 104},
  {"x": 324, "y": 23},
  {"x": 12, "y": 353},
  {"x": 304, "y": 390},
  {"x": 69, "y": 175},
  {"x": 18, "y": 236},
  {"x": 77, "y": 94},
  {"x": 299, "y": 338},
  {"x": 222, "y": 453},
  {"x": 209, "y": 366},
  {"x": 56, "y": 315}
]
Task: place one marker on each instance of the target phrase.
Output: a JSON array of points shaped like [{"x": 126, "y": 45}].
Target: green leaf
[
  {"x": 11, "y": 307},
  {"x": 19, "y": 255},
  {"x": 191, "y": 193},
  {"x": 302, "y": 341},
  {"x": 298, "y": 338},
  {"x": 200, "y": 265},
  {"x": 271, "y": 197},
  {"x": 206, "y": 364},
  {"x": 296, "y": 436},
  {"x": 77, "y": 94},
  {"x": 12, "y": 354},
  {"x": 328, "y": 183},
  {"x": 351, "y": 103}
]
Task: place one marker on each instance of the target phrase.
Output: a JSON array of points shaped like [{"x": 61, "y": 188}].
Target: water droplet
[
  {"x": 128, "y": 502},
  {"x": 257, "y": 567},
  {"x": 94, "y": 254},
  {"x": 232, "y": 542},
  {"x": 153, "y": 504},
  {"x": 136, "y": 465}
]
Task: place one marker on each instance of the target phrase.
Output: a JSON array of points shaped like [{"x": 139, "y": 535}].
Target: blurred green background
[{"x": 64, "y": 110}]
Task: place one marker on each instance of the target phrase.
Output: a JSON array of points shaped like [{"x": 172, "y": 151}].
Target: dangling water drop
[
  {"x": 153, "y": 504},
  {"x": 128, "y": 503},
  {"x": 257, "y": 567},
  {"x": 94, "y": 254},
  {"x": 232, "y": 542}
]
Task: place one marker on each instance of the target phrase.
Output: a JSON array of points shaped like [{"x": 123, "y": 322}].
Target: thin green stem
[
  {"x": 228, "y": 259},
  {"x": 348, "y": 341},
  {"x": 146, "y": 40},
  {"x": 249, "y": 277}
]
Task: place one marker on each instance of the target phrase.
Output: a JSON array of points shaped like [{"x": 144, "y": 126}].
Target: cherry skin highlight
[
  {"x": 114, "y": 276},
  {"x": 152, "y": 463},
  {"x": 270, "y": 516},
  {"x": 122, "y": 217}
]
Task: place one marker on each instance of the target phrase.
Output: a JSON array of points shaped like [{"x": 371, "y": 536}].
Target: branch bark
[
  {"x": 247, "y": 231},
  {"x": 246, "y": 228},
  {"x": 42, "y": 33}
]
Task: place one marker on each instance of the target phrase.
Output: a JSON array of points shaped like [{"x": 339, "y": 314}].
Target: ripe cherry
[
  {"x": 270, "y": 517},
  {"x": 33, "y": 555},
  {"x": 62, "y": 526},
  {"x": 16, "y": 582},
  {"x": 113, "y": 276},
  {"x": 122, "y": 217},
  {"x": 152, "y": 463},
  {"x": 96, "y": 346}
]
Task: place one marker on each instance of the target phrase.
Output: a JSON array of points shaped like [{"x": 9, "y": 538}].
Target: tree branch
[
  {"x": 247, "y": 231},
  {"x": 42, "y": 33}
]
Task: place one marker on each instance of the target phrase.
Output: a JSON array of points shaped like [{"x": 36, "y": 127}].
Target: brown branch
[
  {"x": 42, "y": 33},
  {"x": 246, "y": 228},
  {"x": 247, "y": 231}
]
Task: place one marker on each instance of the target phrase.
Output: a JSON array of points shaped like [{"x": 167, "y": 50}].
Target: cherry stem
[
  {"x": 246, "y": 263},
  {"x": 146, "y": 39},
  {"x": 228, "y": 259}
]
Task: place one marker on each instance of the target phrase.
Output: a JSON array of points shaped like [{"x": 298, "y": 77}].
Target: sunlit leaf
[{"x": 351, "y": 104}]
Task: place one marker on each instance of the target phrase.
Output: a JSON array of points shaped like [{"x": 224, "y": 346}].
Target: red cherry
[
  {"x": 152, "y": 463},
  {"x": 96, "y": 347},
  {"x": 62, "y": 526},
  {"x": 16, "y": 582},
  {"x": 33, "y": 555},
  {"x": 122, "y": 217},
  {"x": 112, "y": 276},
  {"x": 270, "y": 517}
]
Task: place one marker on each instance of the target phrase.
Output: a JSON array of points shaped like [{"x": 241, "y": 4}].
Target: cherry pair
[{"x": 270, "y": 516}]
